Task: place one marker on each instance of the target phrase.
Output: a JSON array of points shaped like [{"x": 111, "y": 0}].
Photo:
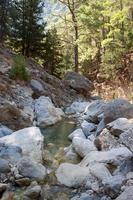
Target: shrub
[{"x": 18, "y": 70}]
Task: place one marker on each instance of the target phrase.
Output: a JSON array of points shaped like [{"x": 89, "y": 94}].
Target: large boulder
[
  {"x": 72, "y": 175},
  {"x": 4, "y": 131},
  {"x": 78, "y": 82},
  {"x": 119, "y": 126},
  {"x": 77, "y": 133},
  {"x": 77, "y": 107},
  {"x": 31, "y": 169},
  {"x": 127, "y": 194},
  {"x": 10, "y": 153},
  {"x": 46, "y": 113},
  {"x": 83, "y": 146},
  {"x": 118, "y": 108},
  {"x": 113, "y": 156},
  {"x": 13, "y": 117},
  {"x": 37, "y": 87},
  {"x": 30, "y": 140},
  {"x": 94, "y": 110},
  {"x": 88, "y": 128},
  {"x": 126, "y": 138},
  {"x": 4, "y": 166}
]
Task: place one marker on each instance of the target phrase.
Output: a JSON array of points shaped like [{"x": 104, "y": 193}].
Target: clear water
[{"x": 56, "y": 136}]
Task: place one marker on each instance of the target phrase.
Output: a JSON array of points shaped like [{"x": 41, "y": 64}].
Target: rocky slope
[{"x": 99, "y": 161}]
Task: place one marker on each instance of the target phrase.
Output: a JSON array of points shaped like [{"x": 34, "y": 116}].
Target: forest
[{"x": 88, "y": 36}]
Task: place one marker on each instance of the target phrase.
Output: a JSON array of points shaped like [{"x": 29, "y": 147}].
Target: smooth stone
[
  {"x": 77, "y": 133},
  {"x": 30, "y": 140},
  {"x": 127, "y": 194},
  {"x": 31, "y": 170},
  {"x": 4, "y": 131},
  {"x": 33, "y": 192},
  {"x": 88, "y": 128},
  {"x": 46, "y": 113},
  {"x": 114, "y": 156},
  {"x": 126, "y": 138},
  {"x": 4, "y": 166},
  {"x": 76, "y": 107},
  {"x": 72, "y": 175},
  {"x": 83, "y": 146},
  {"x": 23, "y": 182},
  {"x": 119, "y": 126}
]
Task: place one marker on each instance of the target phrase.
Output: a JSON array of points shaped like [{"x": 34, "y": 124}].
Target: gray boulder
[
  {"x": 72, "y": 175},
  {"x": 118, "y": 108},
  {"x": 93, "y": 111},
  {"x": 31, "y": 169},
  {"x": 4, "y": 166},
  {"x": 4, "y": 131},
  {"x": 33, "y": 192},
  {"x": 37, "y": 87},
  {"x": 77, "y": 133},
  {"x": 119, "y": 126},
  {"x": 11, "y": 153},
  {"x": 126, "y": 138},
  {"x": 113, "y": 156},
  {"x": 30, "y": 140},
  {"x": 88, "y": 128},
  {"x": 78, "y": 82},
  {"x": 127, "y": 194},
  {"x": 83, "y": 146},
  {"x": 46, "y": 113},
  {"x": 77, "y": 107}
]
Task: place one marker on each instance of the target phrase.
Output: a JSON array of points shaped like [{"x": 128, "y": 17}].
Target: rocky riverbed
[{"x": 59, "y": 143}]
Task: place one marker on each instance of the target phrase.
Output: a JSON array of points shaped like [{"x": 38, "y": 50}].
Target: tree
[
  {"x": 73, "y": 6},
  {"x": 52, "y": 53},
  {"x": 4, "y": 11},
  {"x": 27, "y": 30}
]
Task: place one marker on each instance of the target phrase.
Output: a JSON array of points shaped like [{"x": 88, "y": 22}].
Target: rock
[
  {"x": 112, "y": 185},
  {"x": 77, "y": 133},
  {"x": 78, "y": 82},
  {"x": 37, "y": 87},
  {"x": 88, "y": 128},
  {"x": 119, "y": 126},
  {"x": 106, "y": 141},
  {"x": 3, "y": 187},
  {"x": 33, "y": 192},
  {"x": 4, "y": 166},
  {"x": 113, "y": 156},
  {"x": 10, "y": 153},
  {"x": 71, "y": 155},
  {"x": 4, "y": 131},
  {"x": 127, "y": 194},
  {"x": 13, "y": 117},
  {"x": 23, "y": 182},
  {"x": 77, "y": 107},
  {"x": 31, "y": 169},
  {"x": 72, "y": 175},
  {"x": 95, "y": 109},
  {"x": 118, "y": 108},
  {"x": 100, "y": 127},
  {"x": 83, "y": 146},
  {"x": 126, "y": 138},
  {"x": 30, "y": 140},
  {"x": 129, "y": 175},
  {"x": 46, "y": 113},
  {"x": 99, "y": 171}
]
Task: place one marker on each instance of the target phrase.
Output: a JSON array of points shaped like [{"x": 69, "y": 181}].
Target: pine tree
[
  {"x": 52, "y": 54},
  {"x": 28, "y": 29},
  {"x": 4, "y": 11}
]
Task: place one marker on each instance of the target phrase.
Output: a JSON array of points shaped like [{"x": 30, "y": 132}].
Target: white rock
[
  {"x": 83, "y": 146},
  {"x": 100, "y": 171},
  {"x": 114, "y": 156},
  {"x": 46, "y": 113},
  {"x": 77, "y": 107},
  {"x": 77, "y": 133},
  {"x": 72, "y": 175},
  {"x": 30, "y": 140}
]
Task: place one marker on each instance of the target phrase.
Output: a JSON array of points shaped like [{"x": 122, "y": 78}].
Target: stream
[{"x": 55, "y": 139}]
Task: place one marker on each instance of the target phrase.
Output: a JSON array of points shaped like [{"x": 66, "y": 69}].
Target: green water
[{"x": 56, "y": 136}]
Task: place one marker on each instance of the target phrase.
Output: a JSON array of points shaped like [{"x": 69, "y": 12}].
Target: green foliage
[{"x": 18, "y": 70}]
